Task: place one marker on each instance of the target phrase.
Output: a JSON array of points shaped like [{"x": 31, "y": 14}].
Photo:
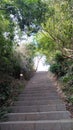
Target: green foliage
[
  {"x": 58, "y": 28},
  {"x": 26, "y": 54},
  {"x": 16, "y": 68},
  {"x": 70, "y": 99},
  {"x": 60, "y": 66},
  {"x": 67, "y": 81},
  {"x": 31, "y": 16},
  {"x": 59, "y": 57},
  {"x": 3, "y": 112},
  {"x": 4, "y": 91},
  {"x": 63, "y": 68},
  {"x": 9, "y": 90},
  {"x": 25, "y": 14},
  {"x": 11, "y": 63},
  {"x": 55, "y": 68}
]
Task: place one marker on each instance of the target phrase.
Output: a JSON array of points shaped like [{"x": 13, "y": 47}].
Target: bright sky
[
  {"x": 25, "y": 39},
  {"x": 41, "y": 66}
]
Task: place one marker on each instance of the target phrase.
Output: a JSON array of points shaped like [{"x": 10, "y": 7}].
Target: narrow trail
[{"x": 39, "y": 107}]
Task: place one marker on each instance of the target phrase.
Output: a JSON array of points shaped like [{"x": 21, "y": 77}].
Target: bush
[
  {"x": 59, "y": 57},
  {"x": 5, "y": 88},
  {"x": 67, "y": 81},
  {"x": 70, "y": 99},
  {"x": 16, "y": 71},
  {"x": 9, "y": 90},
  {"x": 60, "y": 67},
  {"x": 55, "y": 68}
]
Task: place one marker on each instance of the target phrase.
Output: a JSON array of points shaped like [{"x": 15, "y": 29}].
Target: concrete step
[
  {"x": 38, "y": 95},
  {"x": 37, "y": 102},
  {"x": 37, "y": 89},
  {"x": 40, "y": 91},
  {"x": 38, "y": 108},
  {"x": 52, "y": 115},
  {"x": 38, "y": 125},
  {"x": 38, "y": 98}
]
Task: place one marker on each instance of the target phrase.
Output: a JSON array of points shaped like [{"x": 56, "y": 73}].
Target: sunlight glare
[{"x": 41, "y": 66}]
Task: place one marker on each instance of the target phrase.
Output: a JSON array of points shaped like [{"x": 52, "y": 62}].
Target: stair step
[
  {"x": 38, "y": 89},
  {"x": 38, "y": 98},
  {"x": 52, "y": 115},
  {"x": 38, "y": 125},
  {"x": 37, "y": 102},
  {"x": 38, "y": 108},
  {"x": 39, "y": 94}
]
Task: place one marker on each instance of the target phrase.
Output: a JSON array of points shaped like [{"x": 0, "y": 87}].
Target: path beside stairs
[{"x": 39, "y": 107}]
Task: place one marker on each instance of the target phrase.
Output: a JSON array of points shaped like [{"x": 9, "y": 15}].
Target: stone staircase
[{"x": 39, "y": 107}]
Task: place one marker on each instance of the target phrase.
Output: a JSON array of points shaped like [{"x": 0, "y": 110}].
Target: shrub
[
  {"x": 60, "y": 67},
  {"x": 55, "y": 68},
  {"x": 59, "y": 57},
  {"x": 5, "y": 89},
  {"x": 9, "y": 90}
]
